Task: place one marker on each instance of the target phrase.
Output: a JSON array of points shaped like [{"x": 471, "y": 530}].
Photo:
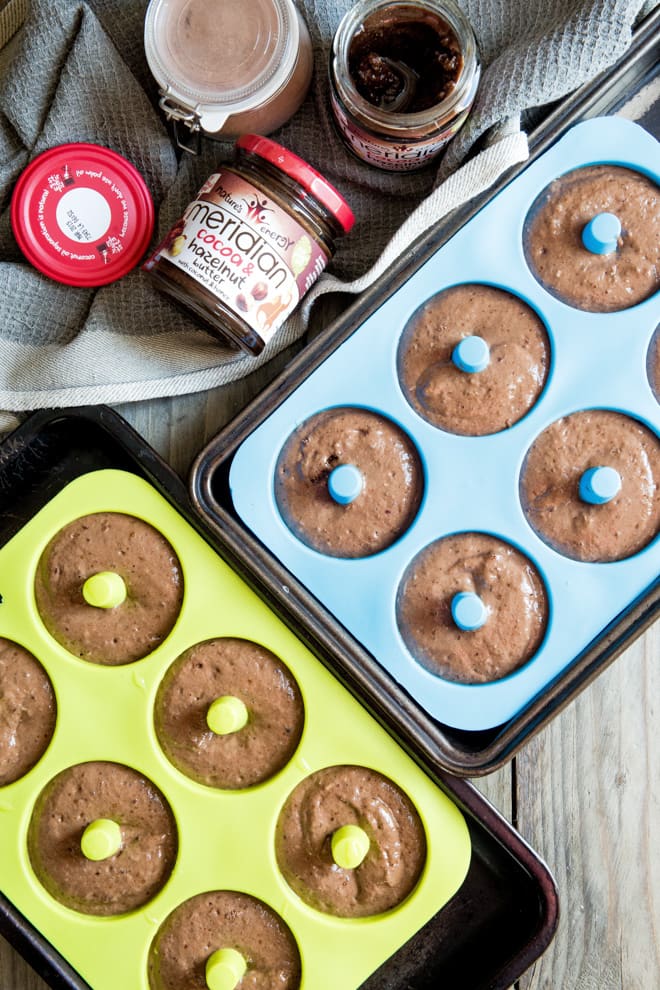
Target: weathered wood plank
[
  {"x": 589, "y": 801},
  {"x": 179, "y": 427}
]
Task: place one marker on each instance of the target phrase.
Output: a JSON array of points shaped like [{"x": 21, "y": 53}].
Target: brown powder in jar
[{"x": 68, "y": 804}]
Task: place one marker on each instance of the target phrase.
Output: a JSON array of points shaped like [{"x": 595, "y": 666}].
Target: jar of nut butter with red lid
[
  {"x": 254, "y": 240},
  {"x": 403, "y": 76}
]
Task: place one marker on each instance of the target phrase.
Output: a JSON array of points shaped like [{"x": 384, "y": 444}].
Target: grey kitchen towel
[{"x": 76, "y": 71}]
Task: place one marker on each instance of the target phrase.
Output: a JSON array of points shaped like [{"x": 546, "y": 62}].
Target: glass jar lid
[{"x": 222, "y": 54}]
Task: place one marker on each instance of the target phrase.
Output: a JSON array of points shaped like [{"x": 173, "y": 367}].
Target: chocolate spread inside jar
[
  {"x": 403, "y": 77},
  {"x": 259, "y": 233},
  {"x": 405, "y": 65}
]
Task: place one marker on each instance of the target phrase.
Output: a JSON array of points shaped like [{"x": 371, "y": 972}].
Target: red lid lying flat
[
  {"x": 82, "y": 214},
  {"x": 304, "y": 175}
]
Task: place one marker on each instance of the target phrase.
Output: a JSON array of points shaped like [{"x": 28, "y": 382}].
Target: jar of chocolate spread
[
  {"x": 403, "y": 76},
  {"x": 226, "y": 67},
  {"x": 254, "y": 240}
]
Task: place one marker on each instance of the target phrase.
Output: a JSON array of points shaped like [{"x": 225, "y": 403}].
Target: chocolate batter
[
  {"x": 553, "y": 238},
  {"x": 68, "y": 804},
  {"x": 404, "y": 59},
  {"x": 109, "y": 541},
  {"x": 223, "y": 919},
  {"x": 549, "y": 485},
  {"x": 392, "y": 491},
  {"x": 27, "y": 711},
  {"x": 483, "y": 402},
  {"x": 350, "y": 795},
  {"x": 263, "y": 683},
  {"x": 508, "y": 585}
]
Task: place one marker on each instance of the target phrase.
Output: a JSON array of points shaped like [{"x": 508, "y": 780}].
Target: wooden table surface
[{"x": 585, "y": 792}]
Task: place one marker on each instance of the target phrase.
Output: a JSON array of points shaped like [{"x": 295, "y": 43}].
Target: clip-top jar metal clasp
[{"x": 180, "y": 115}]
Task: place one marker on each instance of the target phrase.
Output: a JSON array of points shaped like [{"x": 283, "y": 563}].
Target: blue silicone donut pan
[{"x": 597, "y": 361}]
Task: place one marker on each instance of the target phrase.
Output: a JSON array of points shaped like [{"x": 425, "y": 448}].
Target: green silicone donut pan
[{"x": 225, "y": 838}]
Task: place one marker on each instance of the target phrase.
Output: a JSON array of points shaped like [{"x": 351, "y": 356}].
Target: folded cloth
[{"x": 76, "y": 71}]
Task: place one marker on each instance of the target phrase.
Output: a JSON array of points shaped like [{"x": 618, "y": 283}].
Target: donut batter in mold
[
  {"x": 258, "y": 707},
  {"x": 362, "y": 799},
  {"x": 512, "y": 614},
  {"x": 552, "y": 474},
  {"x": 27, "y": 711},
  {"x": 389, "y": 489},
  {"x": 252, "y": 941},
  {"x": 553, "y": 238},
  {"x": 473, "y": 400},
  {"x": 147, "y": 570},
  {"x": 121, "y": 879}
]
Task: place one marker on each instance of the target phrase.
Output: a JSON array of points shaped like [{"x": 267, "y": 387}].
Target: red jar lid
[
  {"x": 82, "y": 214},
  {"x": 303, "y": 174}
]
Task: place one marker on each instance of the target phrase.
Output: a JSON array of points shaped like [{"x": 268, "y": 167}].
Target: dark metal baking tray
[
  {"x": 506, "y": 912},
  {"x": 461, "y": 752}
]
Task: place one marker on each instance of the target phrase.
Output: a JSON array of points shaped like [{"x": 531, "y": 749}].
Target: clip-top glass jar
[
  {"x": 254, "y": 240},
  {"x": 226, "y": 67},
  {"x": 403, "y": 75}
]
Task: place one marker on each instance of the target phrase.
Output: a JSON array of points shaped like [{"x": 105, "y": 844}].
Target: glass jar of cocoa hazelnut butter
[
  {"x": 403, "y": 76},
  {"x": 254, "y": 240},
  {"x": 226, "y": 67}
]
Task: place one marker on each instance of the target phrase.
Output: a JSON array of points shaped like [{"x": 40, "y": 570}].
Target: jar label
[
  {"x": 403, "y": 156},
  {"x": 246, "y": 249}
]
